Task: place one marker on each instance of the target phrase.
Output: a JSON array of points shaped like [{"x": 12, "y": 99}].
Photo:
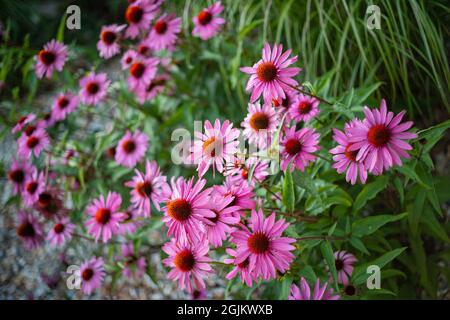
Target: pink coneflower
[
  {"x": 207, "y": 22},
  {"x": 33, "y": 187},
  {"x": 22, "y": 122},
  {"x": 128, "y": 58},
  {"x": 129, "y": 223},
  {"x": 29, "y": 230},
  {"x": 33, "y": 144},
  {"x": 134, "y": 265},
  {"x": 46, "y": 121},
  {"x": 18, "y": 174},
  {"x": 61, "y": 232},
  {"x": 380, "y": 139},
  {"x": 298, "y": 147},
  {"x": 260, "y": 124},
  {"x": 105, "y": 217},
  {"x": 139, "y": 14},
  {"x": 270, "y": 76},
  {"x": 64, "y": 104},
  {"x": 131, "y": 148},
  {"x": 215, "y": 147},
  {"x": 304, "y": 108},
  {"x": 243, "y": 194},
  {"x": 92, "y": 274},
  {"x": 319, "y": 292},
  {"x": 187, "y": 209},
  {"x": 108, "y": 45},
  {"x": 226, "y": 215},
  {"x": 164, "y": 32},
  {"x": 344, "y": 262},
  {"x": 156, "y": 86},
  {"x": 242, "y": 268},
  {"x": 239, "y": 172},
  {"x": 52, "y": 57},
  {"x": 264, "y": 247},
  {"x": 282, "y": 105},
  {"x": 94, "y": 88},
  {"x": 198, "y": 294},
  {"x": 144, "y": 50},
  {"x": 346, "y": 159},
  {"x": 148, "y": 188},
  {"x": 189, "y": 263},
  {"x": 49, "y": 203},
  {"x": 142, "y": 72}
]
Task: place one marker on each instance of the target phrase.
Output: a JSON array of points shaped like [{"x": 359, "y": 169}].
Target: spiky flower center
[
  {"x": 244, "y": 264},
  {"x": 304, "y": 107},
  {"x": 179, "y": 209},
  {"x": 350, "y": 155},
  {"x": 129, "y": 146},
  {"x": 30, "y": 130},
  {"x": 63, "y": 102},
  {"x": 144, "y": 188},
  {"x": 32, "y": 142},
  {"x": 160, "y": 27},
  {"x": 350, "y": 290},
  {"x": 31, "y": 187},
  {"x": 59, "y": 228},
  {"x": 293, "y": 146},
  {"x": 17, "y": 175},
  {"x": 47, "y": 57},
  {"x": 134, "y": 14},
  {"x": 267, "y": 71},
  {"x": 339, "y": 264},
  {"x": 26, "y": 229},
  {"x": 259, "y": 121},
  {"x": 204, "y": 17},
  {"x": 184, "y": 260},
  {"x": 137, "y": 69},
  {"x": 103, "y": 215},
  {"x": 92, "y": 87},
  {"x": 258, "y": 243},
  {"x": 108, "y": 37},
  {"x": 87, "y": 274},
  {"x": 379, "y": 135}
]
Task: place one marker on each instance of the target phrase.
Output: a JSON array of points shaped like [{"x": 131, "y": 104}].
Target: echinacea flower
[
  {"x": 49, "y": 203},
  {"x": 264, "y": 246},
  {"x": 33, "y": 187},
  {"x": 379, "y": 139},
  {"x": 18, "y": 174},
  {"x": 128, "y": 59},
  {"x": 198, "y": 294},
  {"x": 142, "y": 72},
  {"x": 344, "y": 262},
  {"x": 207, "y": 22},
  {"x": 94, "y": 88},
  {"x": 189, "y": 263},
  {"x": 304, "y": 108},
  {"x": 64, "y": 104},
  {"x": 242, "y": 268},
  {"x": 226, "y": 215},
  {"x": 134, "y": 265},
  {"x": 239, "y": 172},
  {"x": 346, "y": 159},
  {"x": 271, "y": 76},
  {"x": 148, "y": 188},
  {"x": 156, "y": 86},
  {"x": 128, "y": 223},
  {"x": 29, "y": 230},
  {"x": 52, "y": 57},
  {"x": 163, "y": 34},
  {"x": 218, "y": 145},
  {"x": 22, "y": 122},
  {"x": 108, "y": 45},
  {"x": 92, "y": 274},
  {"x": 61, "y": 232},
  {"x": 241, "y": 192},
  {"x": 187, "y": 209},
  {"x": 282, "y": 105},
  {"x": 139, "y": 14},
  {"x": 105, "y": 217},
  {"x": 33, "y": 144},
  {"x": 319, "y": 292},
  {"x": 260, "y": 124},
  {"x": 131, "y": 148},
  {"x": 298, "y": 147}
]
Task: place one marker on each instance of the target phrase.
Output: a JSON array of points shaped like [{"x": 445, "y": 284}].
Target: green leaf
[
  {"x": 327, "y": 252},
  {"x": 429, "y": 219},
  {"x": 415, "y": 209},
  {"x": 61, "y": 28},
  {"x": 358, "y": 244},
  {"x": 369, "y": 192},
  {"x": 369, "y": 225},
  {"x": 285, "y": 288},
  {"x": 411, "y": 173},
  {"x": 288, "y": 191}
]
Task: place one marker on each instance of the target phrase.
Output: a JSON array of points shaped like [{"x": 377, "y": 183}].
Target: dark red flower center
[
  {"x": 134, "y": 14},
  {"x": 267, "y": 71},
  {"x": 204, "y": 17},
  {"x": 45, "y": 199},
  {"x": 379, "y": 135},
  {"x": 31, "y": 187},
  {"x": 32, "y": 142},
  {"x": 350, "y": 290},
  {"x": 210, "y": 146},
  {"x": 87, "y": 274},
  {"x": 63, "y": 102},
  {"x": 143, "y": 49},
  {"x": 259, "y": 121},
  {"x": 111, "y": 152},
  {"x": 17, "y": 175},
  {"x": 160, "y": 27},
  {"x": 156, "y": 83},
  {"x": 244, "y": 174},
  {"x": 215, "y": 218},
  {"x": 108, "y": 37},
  {"x": 128, "y": 60},
  {"x": 258, "y": 243},
  {"x": 92, "y": 87},
  {"x": 47, "y": 57},
  {"x": 179, "y": 209},
  {"x": 137, "y": 69},
  {"x": 304, "y": 107},
  {"x": 184, "y": 260},
  {"x": 29, "y": 130},
  {"x": 244, "y": 264},
  {"x": 144, "y": 189},
  {"x": 350, "y": 155},
  {"x": 339, "y": 264},
  {"x": 25, "y": 230},
  {"x": 293, "y": 146},
  {"x": 129, "y": 146},
  {"x": 103, "y": 215},
  {"x": 58, "y": 228},
  {"x": 22, "y": 120}
]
